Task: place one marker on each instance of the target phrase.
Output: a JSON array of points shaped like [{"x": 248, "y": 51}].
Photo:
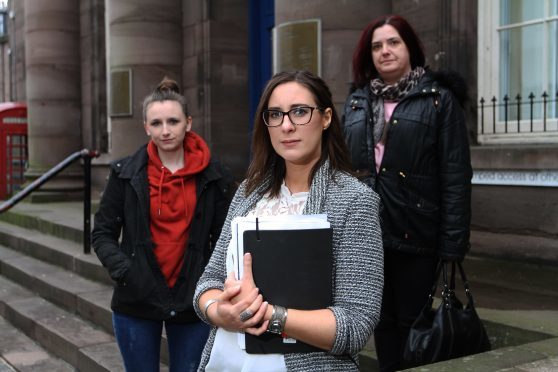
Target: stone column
[
  {"x": 17, "y": 46},
  {"x": 52, "y": 61},
  {"x": 216, "y": 77},
  {"x": 93, "y": 75},
  {"x": 145, "y": 36}
]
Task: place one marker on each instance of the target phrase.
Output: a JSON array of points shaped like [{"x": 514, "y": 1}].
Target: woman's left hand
[
  {"x": 259, "y": 324},
  {"x": 246, "y": 283},
  {"x": 246, "y": 308}
]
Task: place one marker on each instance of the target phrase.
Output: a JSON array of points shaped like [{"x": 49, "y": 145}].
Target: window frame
[{"x": 488, "y": 80}]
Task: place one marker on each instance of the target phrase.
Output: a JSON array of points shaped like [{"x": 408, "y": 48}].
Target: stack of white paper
[{"x": 235, "y": 251}]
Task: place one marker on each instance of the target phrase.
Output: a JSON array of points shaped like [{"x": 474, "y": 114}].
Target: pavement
[{"x": 514, "y": 280}]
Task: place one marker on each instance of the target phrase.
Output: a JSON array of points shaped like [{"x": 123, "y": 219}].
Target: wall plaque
[
  {"x": 297, "y": 46},
  {"x": 121, "y": 92}
]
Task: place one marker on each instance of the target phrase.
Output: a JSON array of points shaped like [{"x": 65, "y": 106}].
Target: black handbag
[{"x": 450, "y": 331}]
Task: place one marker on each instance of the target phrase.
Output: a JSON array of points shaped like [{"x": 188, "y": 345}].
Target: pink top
[{"x": 389, "y": 106}]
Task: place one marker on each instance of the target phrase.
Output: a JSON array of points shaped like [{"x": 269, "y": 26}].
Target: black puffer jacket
[
  {"x": 140, "y": 288},
  {"x": 424, "y": 181}
]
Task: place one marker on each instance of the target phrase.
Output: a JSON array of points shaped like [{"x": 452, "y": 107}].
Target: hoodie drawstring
[
  {"x": 161, "y": 189},
  {"x": 184, "y": 197}
]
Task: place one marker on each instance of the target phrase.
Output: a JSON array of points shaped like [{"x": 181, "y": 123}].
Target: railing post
[
  {"x": 518, "y": 98},
  {"x": 506, "y": 99},
  {"x": 494, "y": 115},
  {"x": 548, "y": 101},
  {"x": 87, "y": 201},
  {"x": 531, "y": 97},
  {"x": 482, "y": 114},
  {"x": 87, "y": 156},
  {"x": 544, "y": 97}
]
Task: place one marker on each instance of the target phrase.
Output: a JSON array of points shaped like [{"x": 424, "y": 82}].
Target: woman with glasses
[
  {"x": 299, "y": 166},
  {"x": 160, "y": 215}
]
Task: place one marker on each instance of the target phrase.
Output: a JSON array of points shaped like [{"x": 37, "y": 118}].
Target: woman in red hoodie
[{"x": 167, "y": 202}]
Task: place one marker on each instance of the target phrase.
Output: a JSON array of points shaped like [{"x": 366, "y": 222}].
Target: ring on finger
[{"x": 245, "y": 315}]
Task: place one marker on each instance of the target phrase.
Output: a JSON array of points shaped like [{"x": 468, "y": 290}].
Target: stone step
[
  {"x": 63, "y": 220},
  {"x": 62, "y": 333},
  {"x": 537, "y": 356},
  {"x": 19, "y": 353},
  {"x": 483, "y": 264},
  {"x": 518, "y": 302},
  {"x": 526, "y": 276},
  {"x": 61, "y": 252},
  {"x": 514, "y": 246},
  {"x": 83, "y": 345},
  {"x": 514, "y": 293},
  {"x": 86, "y": 298},
  {"x": 78, "y": 295}
]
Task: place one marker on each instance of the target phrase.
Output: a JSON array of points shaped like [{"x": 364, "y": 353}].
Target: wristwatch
[{"x": 277, "y": 320}]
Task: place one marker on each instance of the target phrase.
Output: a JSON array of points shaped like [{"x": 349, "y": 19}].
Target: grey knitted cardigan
[{"x": 352, "y": 210}]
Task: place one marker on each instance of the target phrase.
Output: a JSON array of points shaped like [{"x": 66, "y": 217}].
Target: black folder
[{"x": 292, "y": 268}]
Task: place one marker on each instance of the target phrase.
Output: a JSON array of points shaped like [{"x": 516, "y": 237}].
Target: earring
[{"x": 148, "y": 134}]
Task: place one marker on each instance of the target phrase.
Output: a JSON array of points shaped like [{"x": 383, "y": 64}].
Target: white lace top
[
  {"x": 286, "y": 203},
  {"x": 226, "y": 354}
]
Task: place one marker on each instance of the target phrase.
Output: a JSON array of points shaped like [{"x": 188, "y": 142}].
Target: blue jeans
[{"x": 139, "y": 341}]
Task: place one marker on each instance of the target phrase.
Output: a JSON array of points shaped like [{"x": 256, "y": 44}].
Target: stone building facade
[{"x": 83, "y": 68}]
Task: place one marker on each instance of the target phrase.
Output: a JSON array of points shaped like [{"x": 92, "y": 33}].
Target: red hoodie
[{"x": 173, "y": 201}]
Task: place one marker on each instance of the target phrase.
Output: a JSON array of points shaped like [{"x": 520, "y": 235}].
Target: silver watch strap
[{"x": 278, "y": 319}]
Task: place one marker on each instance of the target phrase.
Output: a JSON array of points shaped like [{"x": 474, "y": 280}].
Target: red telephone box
[{"x": 13, "y": 147}]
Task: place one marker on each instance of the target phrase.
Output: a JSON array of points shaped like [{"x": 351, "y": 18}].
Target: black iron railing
[
  {"x": 84, "y": 154},
  {"x": 519, "y": 114}
]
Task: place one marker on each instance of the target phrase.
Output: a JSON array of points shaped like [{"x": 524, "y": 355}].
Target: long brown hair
[{"x": 266, "y": 161}]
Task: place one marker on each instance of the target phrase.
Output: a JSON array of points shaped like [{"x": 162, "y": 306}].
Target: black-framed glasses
[{"x": 300, "y": 115}]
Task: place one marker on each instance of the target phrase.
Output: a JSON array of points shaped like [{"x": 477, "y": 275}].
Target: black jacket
[
  {"x": 424, "y": 181},
  {"x": 140, "y": 288}
]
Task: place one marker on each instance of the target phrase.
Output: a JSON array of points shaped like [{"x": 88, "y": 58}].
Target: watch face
[{"x": 275, "y": 327}]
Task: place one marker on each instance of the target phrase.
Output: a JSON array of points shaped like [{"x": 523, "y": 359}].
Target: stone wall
[{"x": 515, "y": 209}]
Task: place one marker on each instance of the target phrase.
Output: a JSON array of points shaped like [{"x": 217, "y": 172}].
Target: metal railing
[
  {"x": 84, "y": 154},
  {"x": 519, "y": 115}
]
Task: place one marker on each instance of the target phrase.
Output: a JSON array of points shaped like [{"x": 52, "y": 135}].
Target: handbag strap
[
  {"x": 448, "y": 283},
  {"x": 435, "y": 284},
  {"x": 447, "y": 286},
  {"x": 465, "y": 283},
  {"x": 452, "y": 280}
]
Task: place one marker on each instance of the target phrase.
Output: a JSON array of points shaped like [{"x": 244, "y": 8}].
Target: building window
[
  {"x": 518, "y": 71},
  {"x": 3, "y": 24}
]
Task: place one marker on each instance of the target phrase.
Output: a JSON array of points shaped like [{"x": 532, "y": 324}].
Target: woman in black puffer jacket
[{"x": 406, "y": 132}]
